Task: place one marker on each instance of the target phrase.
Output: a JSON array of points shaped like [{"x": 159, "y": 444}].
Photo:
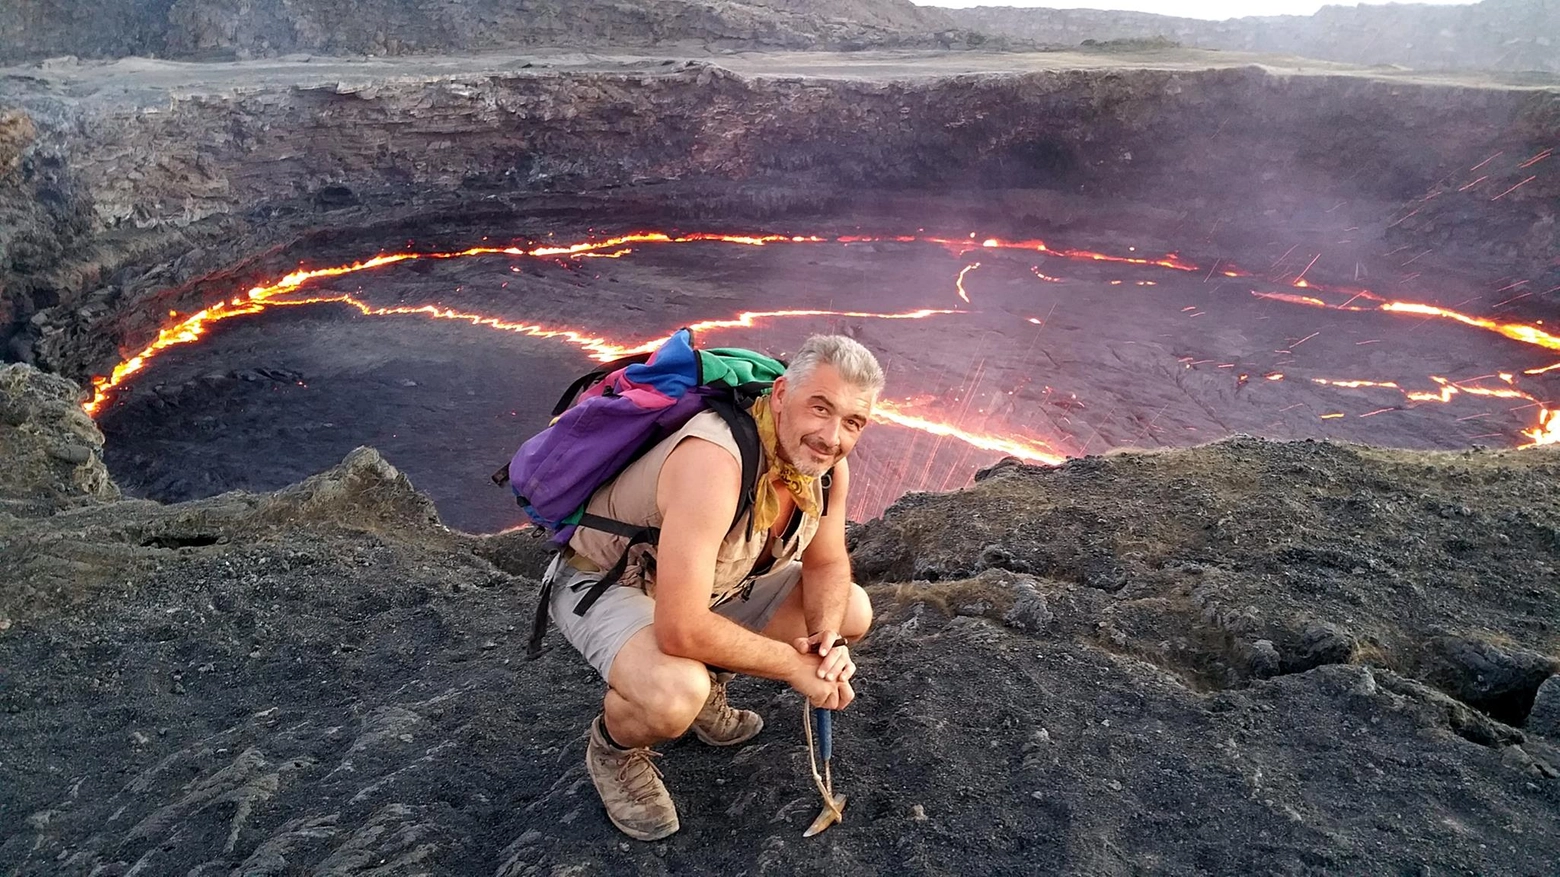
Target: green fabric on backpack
[{"x": 733, "y": 367}]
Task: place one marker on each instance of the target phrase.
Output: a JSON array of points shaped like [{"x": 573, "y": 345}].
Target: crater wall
[
  {"x": 140, "y": 175},
  {"x": 228, "y": 29}
]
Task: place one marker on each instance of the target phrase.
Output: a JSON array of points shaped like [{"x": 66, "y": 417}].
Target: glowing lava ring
[{"x": 293, "y": 291}]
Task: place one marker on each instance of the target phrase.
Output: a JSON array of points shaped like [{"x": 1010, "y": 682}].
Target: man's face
[{"x": 818, "y": 420}]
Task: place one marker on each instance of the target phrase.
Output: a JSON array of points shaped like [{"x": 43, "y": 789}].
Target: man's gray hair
[{"x": 855, "y": 363}]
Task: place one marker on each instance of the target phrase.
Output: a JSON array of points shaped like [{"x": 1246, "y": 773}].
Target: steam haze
[{"x": 1213, "y": 10}]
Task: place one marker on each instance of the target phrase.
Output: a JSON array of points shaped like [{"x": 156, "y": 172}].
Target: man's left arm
[{"x": 826, "y": 582}]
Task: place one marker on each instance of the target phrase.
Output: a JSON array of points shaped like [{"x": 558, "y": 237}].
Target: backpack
[{"x": 611, "y": 417}]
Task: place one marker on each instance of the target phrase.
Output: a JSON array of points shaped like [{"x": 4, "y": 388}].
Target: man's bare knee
[
  {"x": 670, "y": 697},
  {"x": 858, "y": 614}
]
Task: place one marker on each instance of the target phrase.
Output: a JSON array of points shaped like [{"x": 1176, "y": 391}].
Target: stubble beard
[{"x": 800, "y": 457}]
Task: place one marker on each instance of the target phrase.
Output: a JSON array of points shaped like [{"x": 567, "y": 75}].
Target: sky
[{"x": 1210, "y": 9}]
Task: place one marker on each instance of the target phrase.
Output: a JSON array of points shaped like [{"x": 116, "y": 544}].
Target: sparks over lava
[{"x": 286, "y": 292}]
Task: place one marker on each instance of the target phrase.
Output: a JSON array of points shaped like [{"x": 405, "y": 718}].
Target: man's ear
[{"x": 779, "y": 390}]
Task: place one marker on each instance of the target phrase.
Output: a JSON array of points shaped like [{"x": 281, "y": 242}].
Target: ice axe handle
[
  {"x": 823, "y": 723},
  {"x": 823, "y": 719}
]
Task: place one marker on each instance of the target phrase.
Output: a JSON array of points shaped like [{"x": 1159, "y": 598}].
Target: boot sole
[{"x": 640, "y": 835}]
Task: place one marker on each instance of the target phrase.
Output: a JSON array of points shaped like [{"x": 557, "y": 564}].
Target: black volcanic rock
[
  {"x": 1544, "y": 718},
  {"x": 1501, "y": 681},
  {"x": 52, "y": 451},
  {"x": 325, "y": 679}
]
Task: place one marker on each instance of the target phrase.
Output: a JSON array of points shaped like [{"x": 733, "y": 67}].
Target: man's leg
[
  {"x": 654, "y": 696},
  {"x": 789, "y": 621},
  {"x": 651, "y": 697},
  {"x": 774, "y": 608}
]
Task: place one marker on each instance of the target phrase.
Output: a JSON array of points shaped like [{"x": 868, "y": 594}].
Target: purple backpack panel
[
  {"x": 611, "y": 423},
  {"x": 558, "y": 469}
]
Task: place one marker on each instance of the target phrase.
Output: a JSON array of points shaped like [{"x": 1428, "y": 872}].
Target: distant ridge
[{"x": 1508, "y": 35}]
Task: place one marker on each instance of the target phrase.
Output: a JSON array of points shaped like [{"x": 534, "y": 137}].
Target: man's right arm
[{"x": 697, "y": 494}]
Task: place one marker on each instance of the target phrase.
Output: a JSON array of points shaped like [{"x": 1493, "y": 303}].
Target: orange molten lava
[
  {"x": 959, "y": 284},
  {"x": 1023, "y": 447},
  {"x": 599, "y": 348},
  {"x": 194, "y": 326},
  {"x": 1523, "y": 332},
  {"x": 1546, "y": 432},
  {"x": 1515, "y": 331}
]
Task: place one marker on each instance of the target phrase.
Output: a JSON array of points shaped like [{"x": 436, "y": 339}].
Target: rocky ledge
[{"x": 1248, "y": 657}]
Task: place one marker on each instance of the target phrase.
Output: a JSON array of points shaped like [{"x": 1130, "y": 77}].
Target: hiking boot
[
  {"x": 720, "y": 725},
  {"x": 630, "y": 787}
]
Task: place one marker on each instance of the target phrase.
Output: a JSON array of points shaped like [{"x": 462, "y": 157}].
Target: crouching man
[{"x": 712, "y": 598}]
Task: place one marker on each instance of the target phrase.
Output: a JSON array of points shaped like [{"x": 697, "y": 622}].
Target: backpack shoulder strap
[
  {"x": 635, "y": 535},
  {"x": 735, "y": 412},
  {"x": 745, "y": 431}
]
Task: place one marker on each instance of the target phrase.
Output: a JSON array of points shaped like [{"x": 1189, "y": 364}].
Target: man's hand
[
  {"x": 836, "y": 665},
  {"x": 820, "y": 692},
  {"x": 825, "y": 680}
]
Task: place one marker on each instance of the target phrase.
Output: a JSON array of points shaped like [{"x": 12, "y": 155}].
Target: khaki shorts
[{"x": 624, "y": 611}]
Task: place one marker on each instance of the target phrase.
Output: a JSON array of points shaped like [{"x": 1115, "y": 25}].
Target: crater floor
[{"x": 1109, "y": 326}]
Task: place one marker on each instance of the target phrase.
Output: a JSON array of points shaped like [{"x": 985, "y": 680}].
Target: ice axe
[
  {"x": 822, "y": 749},
  {"x": 833, "y": 805}
]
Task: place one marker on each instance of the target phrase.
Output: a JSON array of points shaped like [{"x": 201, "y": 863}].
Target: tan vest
[{"x": 630, "y": 497}]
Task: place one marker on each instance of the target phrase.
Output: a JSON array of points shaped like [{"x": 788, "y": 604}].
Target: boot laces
[
  {"x": 639, "y": 775},
  {"x": 718, "y": 710}
]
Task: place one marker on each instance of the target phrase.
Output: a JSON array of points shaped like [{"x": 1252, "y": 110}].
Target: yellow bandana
[{"x": 766, "y": 502}]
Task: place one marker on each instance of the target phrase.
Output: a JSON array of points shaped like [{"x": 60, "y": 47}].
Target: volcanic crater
[
  {"x": 1148, "y": 254},
  {"x": 254, "y": 267}
]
